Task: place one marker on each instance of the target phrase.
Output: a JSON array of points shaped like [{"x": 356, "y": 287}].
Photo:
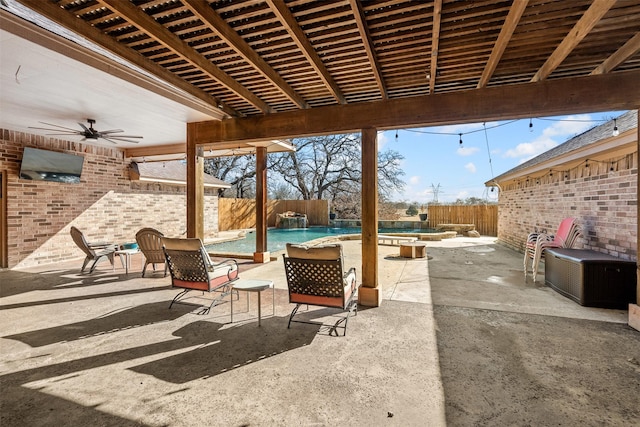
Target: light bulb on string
[
  {"x": 530, "y": 125},
  {"x": 616, "y": 132},
  {"x": 460, "y": 142}
]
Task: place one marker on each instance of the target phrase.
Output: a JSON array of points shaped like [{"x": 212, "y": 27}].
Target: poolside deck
[{"x": 460, "y": 339}]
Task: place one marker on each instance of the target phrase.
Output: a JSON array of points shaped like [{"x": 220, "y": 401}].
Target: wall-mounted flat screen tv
[{"x": 45, "y": 165}]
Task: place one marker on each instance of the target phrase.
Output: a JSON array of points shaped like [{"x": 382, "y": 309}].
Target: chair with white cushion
[{"x": 192, "y": 269}]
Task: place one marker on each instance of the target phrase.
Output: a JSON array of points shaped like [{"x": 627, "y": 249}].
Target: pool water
[{"x": 277, "y": 238}]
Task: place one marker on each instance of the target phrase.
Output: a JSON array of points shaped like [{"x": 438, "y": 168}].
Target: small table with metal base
[
  {"x": 126, "y": 253},
  {"x": 253, "y": 285}
]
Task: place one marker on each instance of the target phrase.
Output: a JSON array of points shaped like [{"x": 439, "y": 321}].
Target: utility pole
[{"x": 436, "y": 190}]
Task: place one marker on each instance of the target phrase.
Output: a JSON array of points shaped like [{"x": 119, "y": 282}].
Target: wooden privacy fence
[
  {"x": 485, "y": 217},
  {"x": 236, "y": 214}
]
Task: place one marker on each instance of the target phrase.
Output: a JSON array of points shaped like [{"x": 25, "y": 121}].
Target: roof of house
[
  {"x": 171, "y": 172},
  {"x": 625, "y": 122}
]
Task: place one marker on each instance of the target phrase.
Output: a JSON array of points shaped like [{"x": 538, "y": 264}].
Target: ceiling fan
[{"x": 90, "y": 132}]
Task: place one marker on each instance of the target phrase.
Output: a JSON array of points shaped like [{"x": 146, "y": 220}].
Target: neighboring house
[
  {"x": 114, "y": 199},
  {"x": 592, "y": 177}
]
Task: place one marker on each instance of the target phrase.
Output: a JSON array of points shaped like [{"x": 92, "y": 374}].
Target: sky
[{"x": 438, "y": 168}]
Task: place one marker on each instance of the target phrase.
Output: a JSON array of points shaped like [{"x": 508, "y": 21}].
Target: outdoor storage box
[{"x": 591, "y": 278}]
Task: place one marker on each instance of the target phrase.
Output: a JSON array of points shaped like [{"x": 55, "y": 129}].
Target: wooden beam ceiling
[
  {"x": 545, "y": 98},
  {"x": 590, "y": 18},
  {"x": 289, "y": 21},
  {"x": 91, "y": 33},
  {"x": 159, "y": 33},
  {"x": 212, "y": 20},
  {"x": 258, "y": 59},
  {"x": 510, "y": 24}
]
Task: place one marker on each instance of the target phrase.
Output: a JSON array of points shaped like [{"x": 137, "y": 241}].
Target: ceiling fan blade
[
  {"x": 119, "y": 139},
  {"x": 58, "y": 126},
  {"x": 111, "y": 131},
  {"x": 57, "y": 130},
  {"x": 110, "y": 140},
  {"x": 125, "y": 136},
  {"x": 86, "y": 129}
]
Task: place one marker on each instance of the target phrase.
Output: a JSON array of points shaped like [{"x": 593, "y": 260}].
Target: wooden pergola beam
[
  {"x": 213, "y": 21},
  {"x": 158, "y": 32},
  {"x": 435, "y": 42},
  {"x": 607, "y": 92},
  {"x": 510, "y": 24},
  {"x": 590, "y": 18},
  {"x": 363, "y": 29},
  {"x": 619, "y": 56},
  {"x": 281, "y": 10},
  {"x": 78, "y": 26}
]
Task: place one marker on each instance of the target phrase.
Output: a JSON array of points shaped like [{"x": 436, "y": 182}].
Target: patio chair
[
  {"x": 149, "y": 243},
  {"x": 192, "y": 269},
  {"x": 565, "y": 237},
  {"x": 315, "y": 276},
  {"x": 96, "y": 251}
]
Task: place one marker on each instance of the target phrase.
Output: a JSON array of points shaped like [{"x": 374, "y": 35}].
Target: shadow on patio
[{"x": 104, "y": 349}]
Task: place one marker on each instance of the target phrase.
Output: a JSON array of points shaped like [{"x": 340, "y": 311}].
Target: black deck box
[{"x": 590, "y": 278}]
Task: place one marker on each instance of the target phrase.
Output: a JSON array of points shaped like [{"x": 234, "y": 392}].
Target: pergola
[{"x": 271, "y": 70}]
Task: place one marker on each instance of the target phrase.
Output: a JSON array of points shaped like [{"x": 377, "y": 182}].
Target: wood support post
[
  {"x": 261, "y": 254},
  {"x": 634, "y": 309},
  {"x": 195, "y": 187},
  {"x": 369, "y": 293}
]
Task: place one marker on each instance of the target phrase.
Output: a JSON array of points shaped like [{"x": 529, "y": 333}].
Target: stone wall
[
  {"x": 601, "y": 195},
  {"x": 106, "y": 205}
]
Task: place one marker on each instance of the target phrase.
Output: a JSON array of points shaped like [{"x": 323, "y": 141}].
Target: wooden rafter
[
  {"x": 56, "y": 14},
  {"x": 361, "y": 20},
  {"x": 158, "y": 32},
  {"x": 621, "y": 55},
  {"x": 213, "y": 21},
  {"x": 590, "y": 18},
  {"x": 289, "y": 21},
  {"x": 510, "y": 24},
  {"x": 435, "y": 44}
]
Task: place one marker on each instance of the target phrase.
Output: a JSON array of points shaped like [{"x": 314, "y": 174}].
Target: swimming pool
[{"x": 277, "y": 238}]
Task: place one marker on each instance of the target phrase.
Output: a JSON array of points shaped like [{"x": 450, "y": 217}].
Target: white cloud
[
  {"x": 382, "y": 140},
  {"x": 467, "y": 151},
  {"x": 470, "y": 167},
  {"x": 414, "y": 180},
  {"x": 551, "y": 136}
]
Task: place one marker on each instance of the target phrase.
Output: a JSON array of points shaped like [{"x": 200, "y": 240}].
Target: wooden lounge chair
[
  {"x": 566, "y": 236},
  {"x": 315, "y": 276},
  {"x": 149, "y": 242},
  {"x": 192, "y": 269},
  {"x": 95, "y": 252}
]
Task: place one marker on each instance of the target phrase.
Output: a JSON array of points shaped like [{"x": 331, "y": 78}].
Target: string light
[
  {"x": 460, "y": 140},
  {"x": 616, "y": 132},
  {"x": 530, "y": 125}
]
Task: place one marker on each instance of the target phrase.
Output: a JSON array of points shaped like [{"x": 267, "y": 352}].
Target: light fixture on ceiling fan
[{"x": 91, "y": 133}]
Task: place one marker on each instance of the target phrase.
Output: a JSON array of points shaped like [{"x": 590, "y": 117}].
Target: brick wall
[
  {"x": 106, "y": 205},
  {"x": 601, "y": 195}
]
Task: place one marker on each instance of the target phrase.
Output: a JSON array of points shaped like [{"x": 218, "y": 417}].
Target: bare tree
[
  {"x": 238, "y": 171},
  {"x": 330, "y": 167},
  {"x": 319, "y": 164}
]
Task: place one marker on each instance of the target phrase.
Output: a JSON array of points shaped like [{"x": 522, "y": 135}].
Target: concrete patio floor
[{"x": 461, "y": 339}]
